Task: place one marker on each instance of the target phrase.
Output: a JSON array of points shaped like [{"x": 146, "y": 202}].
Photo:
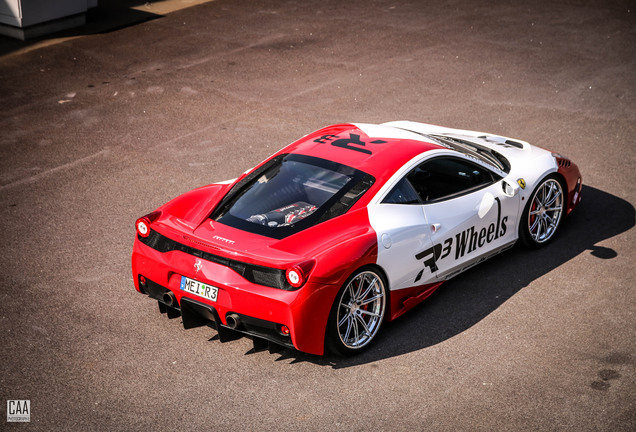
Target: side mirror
[{"x": 510, "y": 189}]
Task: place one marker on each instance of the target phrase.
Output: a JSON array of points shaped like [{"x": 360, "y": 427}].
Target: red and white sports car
[{"x": 347, "y": 227}]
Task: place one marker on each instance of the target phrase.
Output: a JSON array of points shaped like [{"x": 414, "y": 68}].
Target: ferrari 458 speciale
[{"x": 348, "y": 227}]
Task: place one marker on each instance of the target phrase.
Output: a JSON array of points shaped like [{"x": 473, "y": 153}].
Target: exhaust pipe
[
  {"x": 233, "y": 320},
  {"x": 169, "y": 298}
]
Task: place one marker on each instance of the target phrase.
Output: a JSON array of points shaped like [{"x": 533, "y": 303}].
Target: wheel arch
[
  {"x": 523, "y": 218},
  {"x": 385, "y": 280},
  {"x": 564, "y": 185},
  {"x": 329, "y": 345},
  {"x": 387, "y": 286}
]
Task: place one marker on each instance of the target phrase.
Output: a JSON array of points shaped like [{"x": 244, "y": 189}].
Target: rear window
[{"x": 291, "y": 193}]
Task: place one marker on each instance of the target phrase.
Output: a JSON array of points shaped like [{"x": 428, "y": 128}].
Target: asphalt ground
[{"x": 104, "y": 126}]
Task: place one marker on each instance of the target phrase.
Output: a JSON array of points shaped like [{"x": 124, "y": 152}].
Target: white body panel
[
  {"x": 422, "y": 244},
  {"x": 470, "y": 227},
  {"x": 402, "y": 232},
  {"x": 529, "y": 163}
]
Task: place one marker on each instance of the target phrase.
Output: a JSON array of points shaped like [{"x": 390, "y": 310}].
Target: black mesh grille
[
  {"x": 266, "y": 276},
  {"x": 271, "y": 277}
]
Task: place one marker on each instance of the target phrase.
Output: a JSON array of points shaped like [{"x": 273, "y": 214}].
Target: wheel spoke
[
  {"x": 360, "y": 310},
  {"x": 363, "y": 325},
  {"x": 551, "y": 201},
  {"x": 539, "y": 228},
  {"x": 372, "y": 314},
  {"x": 371, "y": 300},
  {"x": 369, "y": 288},
  {"x": 534, "y": 225},
  {"x": 546, "y": 226},
  {"x": 349, "y": 325},
  {"x": 547, "y": 194},
  {"x": 549, "y": 220},
  {"x": 356, "y": 333},
  {"x": 359, "y": 288},
  {"x": 350, "y": 289},
  {"x": 344, "y": 318}
]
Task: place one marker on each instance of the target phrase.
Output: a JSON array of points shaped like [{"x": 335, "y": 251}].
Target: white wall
[{"x": 24, "y": 13}]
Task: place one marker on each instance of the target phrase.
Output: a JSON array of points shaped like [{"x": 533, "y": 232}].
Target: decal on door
[{"x": 463, "y": 243}]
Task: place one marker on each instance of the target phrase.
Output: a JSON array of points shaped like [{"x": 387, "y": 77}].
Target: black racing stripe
[{"x": 271, "y": 277}]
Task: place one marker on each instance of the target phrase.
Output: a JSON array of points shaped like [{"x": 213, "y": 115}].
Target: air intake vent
[
  {"x": 563, "y": 163},
  {"x": 200, "y": 243},
  {"x": 502, "y": 141}
]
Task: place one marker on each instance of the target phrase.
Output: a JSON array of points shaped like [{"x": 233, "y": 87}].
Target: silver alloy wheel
[
  {"x": 361, "y": 309},
  {"x": 545, "y": 212}
]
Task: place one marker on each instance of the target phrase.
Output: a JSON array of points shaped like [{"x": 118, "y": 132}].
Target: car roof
[{"x": 375, "y": 149}]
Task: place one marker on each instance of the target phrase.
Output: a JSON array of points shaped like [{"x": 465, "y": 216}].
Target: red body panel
[
  {"x": 573, "y": 180},
  {"x": 406, "y": 299},
  {"x": 381, "y": 161},
  {"x": 306, "y": 310}
]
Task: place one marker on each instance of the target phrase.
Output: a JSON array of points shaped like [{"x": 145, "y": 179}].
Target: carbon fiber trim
[{"x": 271, "y": 277}]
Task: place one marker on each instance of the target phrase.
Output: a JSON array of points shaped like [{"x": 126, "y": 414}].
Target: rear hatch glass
[{"x": 291, "y": 193}]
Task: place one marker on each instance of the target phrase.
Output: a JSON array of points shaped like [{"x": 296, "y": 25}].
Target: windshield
[{"x": 291, "y": 193}]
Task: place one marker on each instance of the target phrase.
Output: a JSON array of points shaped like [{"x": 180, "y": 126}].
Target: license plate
[{"x": 199, "y": 289}]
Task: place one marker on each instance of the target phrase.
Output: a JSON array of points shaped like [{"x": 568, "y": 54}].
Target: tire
[
  {"x": 543, "y": 213},
  {"x": 357, "y": 312}
]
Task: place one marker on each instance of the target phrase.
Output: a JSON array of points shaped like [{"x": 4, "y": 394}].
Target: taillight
[
  {"x": 298, "y": 274},
  {"x": 143, "y": 226},
  {"x": 143, "y": 223}
]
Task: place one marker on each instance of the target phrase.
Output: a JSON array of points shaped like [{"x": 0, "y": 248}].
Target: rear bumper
[
  {"x": 261, "y": 310},
  {"x": 195, "y": 313}
]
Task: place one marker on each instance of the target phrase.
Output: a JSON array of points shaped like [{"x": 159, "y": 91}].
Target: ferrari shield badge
[{"x": 522, "y": 183}]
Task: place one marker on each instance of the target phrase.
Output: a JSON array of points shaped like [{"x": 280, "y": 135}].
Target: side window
[
  {"x": 439, "y": 178},
  {"x": 447, "y": 177},
  {"x": 402, "y": 193}
]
